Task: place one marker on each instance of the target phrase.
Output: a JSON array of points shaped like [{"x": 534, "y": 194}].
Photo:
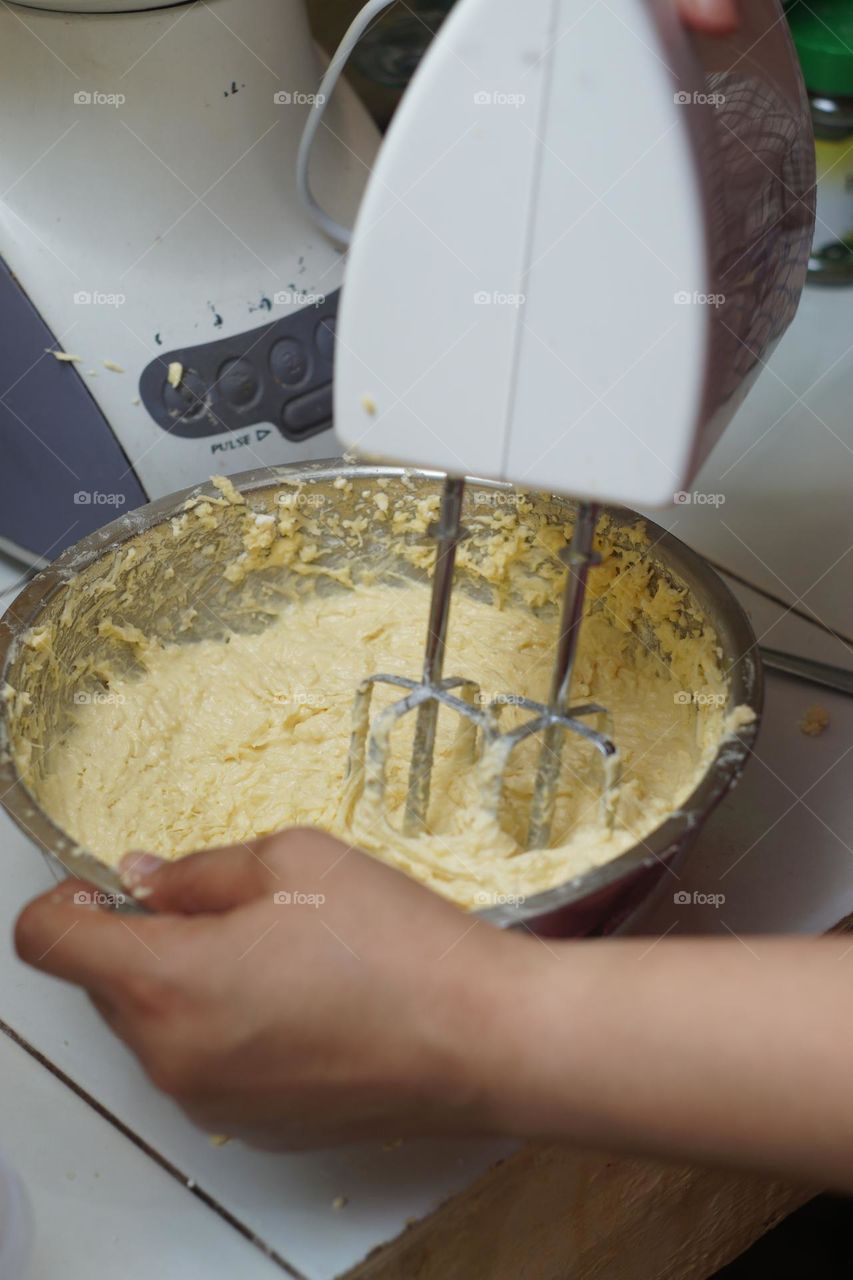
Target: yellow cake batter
[{"x": 219, "y": 740}]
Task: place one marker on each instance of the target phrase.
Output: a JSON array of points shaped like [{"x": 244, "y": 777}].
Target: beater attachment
[
  {"x": 558, "y": 717},
  {"x": 425, "y": 695},
  {"x": 479, "y": 733}
]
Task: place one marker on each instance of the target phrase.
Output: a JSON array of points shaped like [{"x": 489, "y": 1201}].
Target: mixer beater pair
[{"x": 480, "y": 734}]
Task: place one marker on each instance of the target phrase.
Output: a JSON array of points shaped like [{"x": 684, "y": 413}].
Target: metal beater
[{"x": 480, "y": 734}]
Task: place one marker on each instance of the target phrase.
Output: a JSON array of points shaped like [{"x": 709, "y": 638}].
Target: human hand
[
  {"x": 713, "y": 16},
  {"x": 361, "y": 1008},
  {"x": 383, "y": 1012}
]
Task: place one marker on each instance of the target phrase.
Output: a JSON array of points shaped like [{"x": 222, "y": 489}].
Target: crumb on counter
[
  {"x": 65, "y": 357},
  {"x": 814, "y": 722},
  {"x": 175, "y": 373},
  {"x": 112, "y": 366},
  {"x": 340, "y": 1202}
]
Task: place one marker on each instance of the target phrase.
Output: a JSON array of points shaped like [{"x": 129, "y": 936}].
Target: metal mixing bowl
[{"x": 598, "y": 900}]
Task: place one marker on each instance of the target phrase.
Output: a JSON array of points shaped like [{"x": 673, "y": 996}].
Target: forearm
[{"x": 710, "y": 1050}]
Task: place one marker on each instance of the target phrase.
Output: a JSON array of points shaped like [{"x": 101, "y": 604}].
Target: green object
[{"x": 823, "y": 35}]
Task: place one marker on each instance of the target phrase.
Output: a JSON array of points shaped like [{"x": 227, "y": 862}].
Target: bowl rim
[{"x": 734, "y": 632}]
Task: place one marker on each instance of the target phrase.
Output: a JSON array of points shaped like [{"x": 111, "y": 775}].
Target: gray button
[
  {"x": 308, "y": 411},
  {"x": 324, "y": 336},
  {"x": 188, "y": 399},
  {"x": 238, "y": 383},
  {"x": 288, "y": 362}
]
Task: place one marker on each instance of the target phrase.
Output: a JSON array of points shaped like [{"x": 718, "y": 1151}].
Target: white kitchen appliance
[{"x": 150, "y": 224}]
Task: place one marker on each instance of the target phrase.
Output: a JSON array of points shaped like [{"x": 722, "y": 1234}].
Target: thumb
[{"x": 210, "y": 881}]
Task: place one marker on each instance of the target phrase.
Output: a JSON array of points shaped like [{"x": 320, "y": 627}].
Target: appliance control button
[
  {"x": 308, "y": 411},
  {"x": 289, "y": 362},
  {"x": 238, "y": 383},
  {"x": 188, "y": 399}
]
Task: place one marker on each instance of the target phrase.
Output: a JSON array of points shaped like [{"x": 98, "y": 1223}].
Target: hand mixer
[{"x": 585, "y": 232}]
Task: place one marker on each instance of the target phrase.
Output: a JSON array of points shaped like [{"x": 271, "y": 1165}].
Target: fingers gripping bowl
[{"x": 184, "y": 677}]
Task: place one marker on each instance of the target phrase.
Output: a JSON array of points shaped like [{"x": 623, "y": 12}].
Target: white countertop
[{"x": 106, "y": 1160}]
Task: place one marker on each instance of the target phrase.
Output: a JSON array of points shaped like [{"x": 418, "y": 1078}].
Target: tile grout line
[
  {"x": 204, "y": 1196},
  {"x": 794, "y": 609}
]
